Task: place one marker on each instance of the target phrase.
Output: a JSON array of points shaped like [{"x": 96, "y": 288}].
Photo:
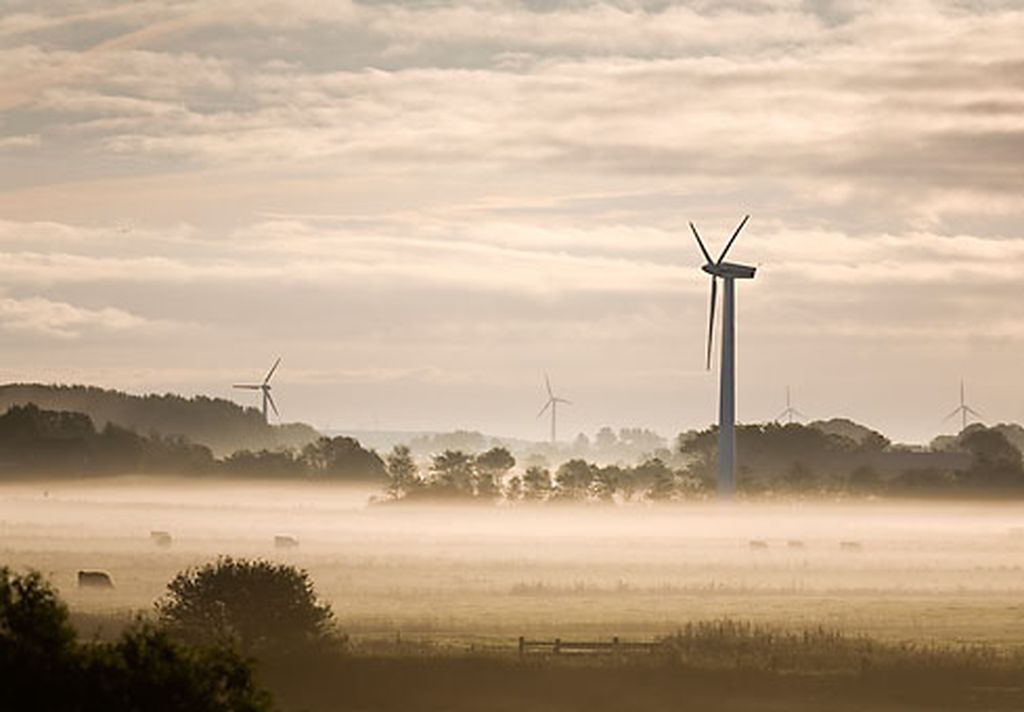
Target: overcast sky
[{"x": 422, "y": 206}]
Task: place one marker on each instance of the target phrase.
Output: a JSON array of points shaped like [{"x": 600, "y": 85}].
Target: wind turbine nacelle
[{"x": 730, "y": 270}]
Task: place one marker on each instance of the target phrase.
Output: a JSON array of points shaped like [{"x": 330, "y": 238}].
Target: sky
[{"x": 422, "y": 207}]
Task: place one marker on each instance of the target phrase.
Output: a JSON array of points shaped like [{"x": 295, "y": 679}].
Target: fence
[{"x": 560, "y": 647}]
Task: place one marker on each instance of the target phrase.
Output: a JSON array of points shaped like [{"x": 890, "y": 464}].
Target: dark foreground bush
[
  {"x": 260, "y": 606},
  {"x": 44, "y": 667}
]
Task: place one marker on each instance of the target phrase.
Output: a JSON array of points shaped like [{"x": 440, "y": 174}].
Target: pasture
[{"x": 479, "y": 578}]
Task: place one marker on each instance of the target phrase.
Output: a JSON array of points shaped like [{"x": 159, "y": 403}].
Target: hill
[{"x": 221, "y": 425}]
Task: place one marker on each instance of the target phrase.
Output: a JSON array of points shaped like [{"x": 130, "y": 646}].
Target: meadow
[{"x": 481, "y": 577}]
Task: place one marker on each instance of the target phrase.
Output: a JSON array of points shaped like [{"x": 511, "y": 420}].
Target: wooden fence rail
[{"x": 559, "y": 646}]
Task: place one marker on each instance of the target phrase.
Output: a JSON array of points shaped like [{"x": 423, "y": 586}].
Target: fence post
[
  {"x": 522, "y": 647},
  {"x": 615, "y": 645},
  {"x": 558, "y": 645}
]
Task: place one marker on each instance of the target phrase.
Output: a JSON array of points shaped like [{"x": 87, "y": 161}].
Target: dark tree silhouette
[
  {"x": 259, "y": 605},
  {"x": 491, "y": 468},
  {"x": 453, "y": 474},
  {"x": 44, "y": 667},
  {"x": 536, "y": 483}
]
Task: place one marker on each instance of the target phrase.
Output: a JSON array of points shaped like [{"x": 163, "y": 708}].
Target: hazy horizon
[{"x": 423, "y": 208}]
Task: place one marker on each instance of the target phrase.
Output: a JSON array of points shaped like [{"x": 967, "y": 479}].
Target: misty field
[{"x": 479, "y": 578}]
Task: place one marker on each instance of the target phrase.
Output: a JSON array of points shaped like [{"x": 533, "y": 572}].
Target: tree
[
  {"x": 453, "y": 474},
  {"x": 573, "y": 479},
  {"x": 661, "y": 478},
  {"x": 402, "y": 473},
  {"x": 343, "y": 458},
  {"x": 44, "y": 667},
  {"x": 254, "y": 603},
  {"x": 536, "y": 483},
  {"x": 606, "y": 482},
  {"x": 491, "y": 468},
  {"x": 996, "y": 462}
]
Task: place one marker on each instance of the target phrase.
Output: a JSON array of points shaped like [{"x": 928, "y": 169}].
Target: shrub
[{"x": 259, "y": 605}]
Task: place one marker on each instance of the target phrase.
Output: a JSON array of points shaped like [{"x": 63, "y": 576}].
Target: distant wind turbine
[
  {"x": 963, "y": 410},
  {"x": 790, "y": 411},
  {"x": 552, "y": 403},
  {"x": 264, "y": 387},
  {"x": 728, "y": 272}
]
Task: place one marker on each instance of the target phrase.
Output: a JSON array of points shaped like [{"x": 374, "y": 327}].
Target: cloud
[{"x": 43, "y": 317}]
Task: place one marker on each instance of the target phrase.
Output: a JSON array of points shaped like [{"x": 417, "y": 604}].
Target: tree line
[
  {"x": 774, "y": 459},
  {"x": 34, "y": 442}
]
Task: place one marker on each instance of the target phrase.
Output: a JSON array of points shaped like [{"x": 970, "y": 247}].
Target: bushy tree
[
  {"x": 453, "y": 474},
  {"x": 402, "y": 473},
  {"x": 573, "y": 479},
  {"x": 536, "y": 483},
  {"x": 257, "y": 604},
  {"x": 491, "y": 468},
  {"x": 343, "y": 458}
]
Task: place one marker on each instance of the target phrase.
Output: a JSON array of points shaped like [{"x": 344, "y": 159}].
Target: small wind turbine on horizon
[
  {"x": 728, "y": 272},
  {"x": 963, "y": 410},
  {"x": 790, "y": 411},
  {"x": 264, "y": 387},
  {"x": 552, "y": 403}
]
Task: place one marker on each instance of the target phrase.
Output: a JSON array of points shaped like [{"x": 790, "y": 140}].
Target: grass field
[{"x": 437, "y": 598}]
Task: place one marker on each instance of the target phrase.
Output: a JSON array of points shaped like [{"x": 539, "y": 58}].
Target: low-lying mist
[{"x": 902, "y": 570}]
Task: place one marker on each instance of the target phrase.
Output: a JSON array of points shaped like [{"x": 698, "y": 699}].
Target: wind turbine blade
[
  {"x": 799, "y": 414},
  {"x": 563, "y": 400},
  {"x": 547, "y": 384},
  {"x": 973, "y": 412},
  {"x": 544, "y": 409},
  {"x": 782, "y": 415},
  {"x": 953, "y": 414},
  {"x": 270, "y": 399},
  {"x": 700, "y": 242},
  {"x": 248, "y": 386},
  {"x": 711, "y": 317},
  {"x": 272, "y": 369},
  {"x": 733, "y": 238}
]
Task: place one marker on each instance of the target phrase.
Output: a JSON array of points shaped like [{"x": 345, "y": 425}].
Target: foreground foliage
[{"x": 45, "y": 667}]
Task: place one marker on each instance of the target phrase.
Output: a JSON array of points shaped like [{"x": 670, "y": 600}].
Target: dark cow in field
[
  {"x": 758, "y": 544},
  {"x": 94, "y": 579},
  {"x": 795, "y": 544},
  {"x": 850, "y": 546},
  {"x": 285, "y": 542},
  {"x": 160, "y": 538}
]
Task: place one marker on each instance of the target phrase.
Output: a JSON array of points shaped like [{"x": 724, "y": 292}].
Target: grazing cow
[
  {"x": 759, "y": 544},
  {"x": 285, "y": 542},
  {"x": 160, "y": 538},
  {"x": 850, "y": 546},
  {"x": 795, "y": 544},
  {"x": 94, "y": 579}
]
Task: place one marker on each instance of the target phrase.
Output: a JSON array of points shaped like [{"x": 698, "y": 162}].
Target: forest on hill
[{"x": 221, "y": 425}]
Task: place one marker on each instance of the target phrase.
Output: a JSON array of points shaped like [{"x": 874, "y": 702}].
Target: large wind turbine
[
  {"x": 963, "y": 410},
  {"x": 790, "y": 412},
  {"x": 552, "y": 403},
  {"x": 728, "y": 272},
  {"x": 264, "y": 387}
]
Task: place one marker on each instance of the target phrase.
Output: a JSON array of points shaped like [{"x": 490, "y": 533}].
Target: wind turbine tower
[
  {"x": 264, "y": 388},
  {"x": 963, "y": 410},
  {"x": 552, "y": 403},
  {"x": 790, "y": 412},
  {"x": 728, "y": 272}
]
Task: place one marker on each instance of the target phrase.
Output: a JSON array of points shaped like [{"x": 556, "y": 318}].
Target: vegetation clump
[
  {"x": 259, "y": 606},
  {"x": 45, "y": 667}
]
